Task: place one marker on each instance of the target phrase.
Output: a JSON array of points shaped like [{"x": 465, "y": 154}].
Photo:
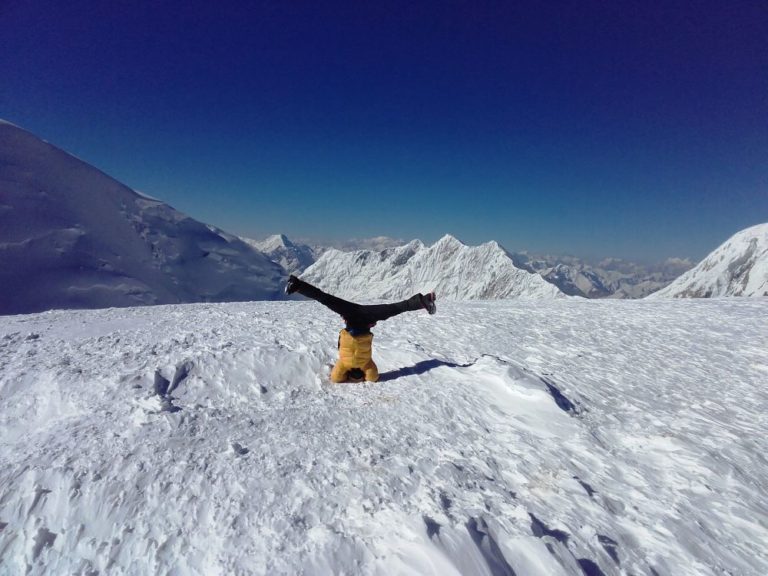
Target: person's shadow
[{"x": 418, "y": 368}]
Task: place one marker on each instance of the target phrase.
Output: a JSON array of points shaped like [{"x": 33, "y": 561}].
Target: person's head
[{"x": 355, "y": 375}]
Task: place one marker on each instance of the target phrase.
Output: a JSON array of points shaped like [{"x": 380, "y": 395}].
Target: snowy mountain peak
[
  {"x": 414, "y": 245},
  {"x": 73, "y": 237},
  {"x": 294, "y": 258},
  {"x": 449, "y": 240},
  {"x": 738, "y": 267},
  {"x": 283, "y": 239},
  {"x": 277, "y": 241}
]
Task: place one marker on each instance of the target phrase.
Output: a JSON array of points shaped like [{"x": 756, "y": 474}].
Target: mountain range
[
  {"x": 297, "y": 255},
  {"x": 453, "y": 270},
  {"x": 73, "y": 237},
  {"x": 609, "y": 278}
]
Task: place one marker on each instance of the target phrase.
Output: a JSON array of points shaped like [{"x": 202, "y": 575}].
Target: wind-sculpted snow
[
  {"x": 738, "y": 267},
  {"x": 448, "y": 267},
  {"x": 530, "y": 438},
  {"x": 72, "y": 237}
]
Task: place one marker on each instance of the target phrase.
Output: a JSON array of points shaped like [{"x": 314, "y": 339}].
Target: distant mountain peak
[
  {"x": 293, "y": 258},
  {"x": 278, "y": 241},
  {"x": 449, "y": 240},
  {"x": 414, "y": 244}
]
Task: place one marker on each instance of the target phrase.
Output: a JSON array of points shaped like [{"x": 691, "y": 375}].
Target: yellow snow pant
[{"x": 354, "y": 352}]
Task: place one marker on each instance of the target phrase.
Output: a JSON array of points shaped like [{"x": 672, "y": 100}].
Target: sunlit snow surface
[{"x": 527, "y": 438}]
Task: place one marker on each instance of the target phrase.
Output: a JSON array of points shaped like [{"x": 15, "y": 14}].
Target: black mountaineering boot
[
  {"x": 428, "y": 301},
  {"x": 292, "y": 285}
]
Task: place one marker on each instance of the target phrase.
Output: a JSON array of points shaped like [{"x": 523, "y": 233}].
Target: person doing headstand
[{"x": 355, "y": 363}]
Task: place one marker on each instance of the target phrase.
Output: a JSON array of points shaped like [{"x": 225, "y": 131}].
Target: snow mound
[
  {"x": 454, "y": 271},
  {"x": 738, "y": 267},
  {"x": 72, "y": 237},
  {"x": 544, "y": 438}
]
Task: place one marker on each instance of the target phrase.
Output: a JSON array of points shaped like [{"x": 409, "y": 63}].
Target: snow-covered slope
[
  {"x": 294, "y": 258},
  {"x": 453, "y": 270},
  {"x": 72, "y": 237},
  {"x": 538, "y": 438},
  {"x": 738, "y": 267}
]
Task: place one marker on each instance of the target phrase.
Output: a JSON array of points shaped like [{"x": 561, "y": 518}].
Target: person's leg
[
  {"x": 378, "y": 312},
  {"x": 349, "y": 310}
]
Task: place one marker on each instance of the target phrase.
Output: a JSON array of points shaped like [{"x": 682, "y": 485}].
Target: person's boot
[
  {"x": 292, "y": 285},
  {"x": 428, "y": 301}
]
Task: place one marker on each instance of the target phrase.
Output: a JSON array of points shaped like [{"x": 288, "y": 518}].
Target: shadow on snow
[{"x": 419, "y": 368}]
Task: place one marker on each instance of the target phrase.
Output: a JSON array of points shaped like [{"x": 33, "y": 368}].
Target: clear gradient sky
[{"x": 610, "y": 128}]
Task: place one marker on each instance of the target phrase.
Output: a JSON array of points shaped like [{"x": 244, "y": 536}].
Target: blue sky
[{"x": 627, "y": 129}]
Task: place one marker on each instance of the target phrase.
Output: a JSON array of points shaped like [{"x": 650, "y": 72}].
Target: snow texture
[
  {"x": 448, "y": 267},
  {"x": 534, "y": 438},
  {"x": 738, "y": 267},
  {"x": 72, "y": 237}
]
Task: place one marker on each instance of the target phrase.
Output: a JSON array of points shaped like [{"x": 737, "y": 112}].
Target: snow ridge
[
  {"x": 738, "y": 267},
  {"x": 448, "y": 267}
]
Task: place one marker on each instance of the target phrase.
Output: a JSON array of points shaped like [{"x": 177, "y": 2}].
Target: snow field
[{"x": 534, "y": 438}]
